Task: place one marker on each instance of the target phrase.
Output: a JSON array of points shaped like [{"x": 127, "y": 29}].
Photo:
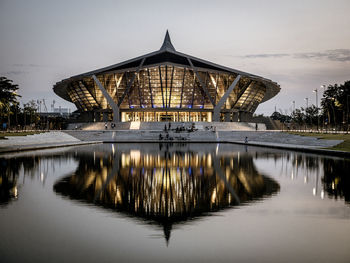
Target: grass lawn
[
  {"x": 344, "y": 146},
  {"x": 3, "y": 134}
]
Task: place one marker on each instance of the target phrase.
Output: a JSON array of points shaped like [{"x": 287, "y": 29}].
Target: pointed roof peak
[{"x": 167, "y": 43}]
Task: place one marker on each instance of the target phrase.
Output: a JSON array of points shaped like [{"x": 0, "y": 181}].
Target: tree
[
  {"x": 280, "y": 117},
  {"x": 298, "y": 116},
  {"x": 335, "y": 103},
  {"x": 8, "y": 97},
  {"x": 311, "y": 115},
  {"x": 8, "y": 93},
  {"x": 30, "y": 108}
]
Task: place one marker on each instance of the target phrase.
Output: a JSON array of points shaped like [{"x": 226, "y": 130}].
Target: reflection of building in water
[{"x": 166, "y": 187}]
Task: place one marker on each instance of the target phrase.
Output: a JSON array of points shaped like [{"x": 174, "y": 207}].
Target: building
[
  {"x": 166, "y": 85},
  {"x": 62, "y": 111}
]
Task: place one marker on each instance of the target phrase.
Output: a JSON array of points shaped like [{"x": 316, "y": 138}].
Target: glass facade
[
  {"x": 166, "y": 87},
  {"x": 166, "y": 116}
]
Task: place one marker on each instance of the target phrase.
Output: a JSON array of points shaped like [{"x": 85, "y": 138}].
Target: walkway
[
  {"x": 274, "y": 139},
  {"x": 43, "y": 140}
]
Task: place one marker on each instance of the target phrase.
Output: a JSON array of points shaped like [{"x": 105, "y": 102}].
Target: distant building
[
  {"x": 57, "y": 112},
  {"x": 166, "y": 85},
  {"x": 63, "y": 111}
]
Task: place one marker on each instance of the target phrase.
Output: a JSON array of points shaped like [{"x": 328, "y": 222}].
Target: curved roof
[{"x": 167, "y": 53}]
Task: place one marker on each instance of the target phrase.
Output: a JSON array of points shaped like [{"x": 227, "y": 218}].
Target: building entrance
[{"x": 166, "y": 116}]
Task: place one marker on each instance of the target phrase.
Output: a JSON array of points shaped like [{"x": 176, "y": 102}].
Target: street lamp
[
  {"x": 293, "y": 105},
  {"x": 306, "y": 114},
  {"x": 318, "y": 119},
  {"x": 323, "y": 119},
  {"x": 347, "y": 113}
]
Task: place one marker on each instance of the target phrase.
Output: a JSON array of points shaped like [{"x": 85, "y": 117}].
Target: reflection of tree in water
[
  {"x": 8, "y": 180},
  {"x": 9, "y": 173},
  {"x": 297, "y": 160},
  {"x": 336, "y": 179},
  {"x": 166, "y": 188},
  {"x": 312, "y": 163},
  {"x": 10, "y": 169}
]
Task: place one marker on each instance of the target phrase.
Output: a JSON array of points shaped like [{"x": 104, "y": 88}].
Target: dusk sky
[{"x": 299, "y": 44}]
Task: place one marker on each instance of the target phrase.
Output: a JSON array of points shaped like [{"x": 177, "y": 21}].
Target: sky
[{"x": 299, "y": 44}]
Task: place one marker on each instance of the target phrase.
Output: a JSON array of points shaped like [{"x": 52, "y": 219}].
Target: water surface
[{"x": 173, "y": 202}]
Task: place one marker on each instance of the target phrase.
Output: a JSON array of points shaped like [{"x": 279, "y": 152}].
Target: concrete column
[
  {"x": 209, "y": 117},
  {"x": 105, "y": 116},
  {"x": 223, "y": 99},
  {"x": 235, "y": 116},
  {"x": 124, "y": 117},
  {"x": 227, "y": 116},
  {"x": 97, "y": 116},
  {"x": 114, "y": 106}
]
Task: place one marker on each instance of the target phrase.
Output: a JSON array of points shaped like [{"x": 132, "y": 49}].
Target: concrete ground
[{"x": 39, "y": 141}]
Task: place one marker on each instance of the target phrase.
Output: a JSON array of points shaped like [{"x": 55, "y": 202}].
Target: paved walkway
[
  {"x": 272, "y": 139},
  {"x": 295, "y": 147},
  {"x": 262, "y": 137},
  {"x": 43, "y": 140}
]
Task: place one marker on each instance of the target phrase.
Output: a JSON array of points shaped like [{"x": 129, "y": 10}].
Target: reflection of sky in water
[{"x": 307, "y": 220}]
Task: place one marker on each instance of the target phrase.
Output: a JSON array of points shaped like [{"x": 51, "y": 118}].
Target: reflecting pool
[{"x": 174, "y": 202}]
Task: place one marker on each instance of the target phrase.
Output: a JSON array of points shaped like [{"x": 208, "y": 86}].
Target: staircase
[{"x": 160, "y": 126}]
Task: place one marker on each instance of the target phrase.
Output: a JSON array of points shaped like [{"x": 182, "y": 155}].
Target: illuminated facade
[{"x": 166, "y": 85}]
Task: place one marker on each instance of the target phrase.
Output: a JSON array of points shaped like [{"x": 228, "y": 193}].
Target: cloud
[
  {"x": 14, "y": 72},
  {"x": 266, "y": 55},
  {"x": 340, "y": 55},
  {"x": 27, "y": 65},
  {"x": 21, "y": 69}
]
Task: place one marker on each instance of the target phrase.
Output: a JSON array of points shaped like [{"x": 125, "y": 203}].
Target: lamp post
[
  {"x": 306, "y": 115},
  {"x": 323, "y": 115},
  {"x": 318, "y": 119},
  {"x": 347, "y": 113}
]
